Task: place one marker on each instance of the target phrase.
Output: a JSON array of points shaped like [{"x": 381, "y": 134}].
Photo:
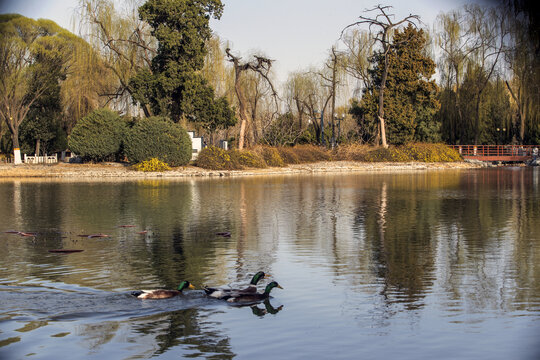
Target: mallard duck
[
  {"x": 221, "y": 293},
  {"x": 255, "y": 297},
  {"x": 161, "y": 293}
]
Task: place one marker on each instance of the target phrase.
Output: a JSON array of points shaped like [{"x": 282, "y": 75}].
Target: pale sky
[{"x": 296, "y": 33}]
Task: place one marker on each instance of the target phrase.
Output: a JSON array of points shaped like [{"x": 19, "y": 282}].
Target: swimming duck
[
  {"x": 225, "y": 293},
  {"x": 161, "y": 293},
  {"x": 255, "y": 297}
]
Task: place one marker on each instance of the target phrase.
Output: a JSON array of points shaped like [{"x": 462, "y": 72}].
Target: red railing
[{"x": 497, "y": 152}]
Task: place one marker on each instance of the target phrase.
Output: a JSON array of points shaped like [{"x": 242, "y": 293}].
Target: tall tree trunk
[
  {"x": 520, "y": 113},
  {"x": 477, "y": 121},
  {"x": 300, "y": 109},
  {"x": 458, "y": 104},
  {"x": 16, "y": 149},
  {"x": 241, "y": 111},
  {"x": 381, "y": 101},
  {"x": 334, "y": 71}
]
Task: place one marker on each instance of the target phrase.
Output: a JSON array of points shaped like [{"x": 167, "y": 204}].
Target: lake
[{"x": 409, "y": 265}]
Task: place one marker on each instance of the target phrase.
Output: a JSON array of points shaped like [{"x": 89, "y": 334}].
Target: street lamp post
[
  {"x": 339, "y": 118},
  {"x": 333, "y": 142},
  {"x": 501, "y": 136},
  {"x": 321, "y": 139}
]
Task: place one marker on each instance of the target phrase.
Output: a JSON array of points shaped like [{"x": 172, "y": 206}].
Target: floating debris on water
[{"x": 65, "y": 251}]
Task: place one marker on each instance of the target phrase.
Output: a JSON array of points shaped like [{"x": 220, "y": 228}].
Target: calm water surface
[{"x": 416, "y": 265}]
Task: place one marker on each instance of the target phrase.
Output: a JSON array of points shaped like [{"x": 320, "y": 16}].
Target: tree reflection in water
[{"x": 188, "y": 328}]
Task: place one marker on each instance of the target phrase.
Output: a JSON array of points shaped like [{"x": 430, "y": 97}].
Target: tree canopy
[
  {"x": 35, "y": 58},
  {"x": 410, "y": 101},
  {"x": 173, "y": 85}
]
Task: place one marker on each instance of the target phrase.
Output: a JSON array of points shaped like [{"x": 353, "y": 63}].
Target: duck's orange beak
[
  {"x": 279, "y": 286},
  {"x": 191, "y": 287},
  {"x": 266, "y": 276}
]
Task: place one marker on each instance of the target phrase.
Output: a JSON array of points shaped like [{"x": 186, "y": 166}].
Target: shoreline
[{"x": 117, "y": 170}]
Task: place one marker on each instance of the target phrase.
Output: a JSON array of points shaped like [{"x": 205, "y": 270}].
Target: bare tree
[
  {"x": 383, "y": 21},
  {"x": 261, "y": 65},
  {"x": 331, "y": 77}
]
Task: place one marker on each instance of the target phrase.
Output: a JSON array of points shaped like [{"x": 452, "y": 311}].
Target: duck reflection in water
[
  {"x": 252, "y": 298},
  {"x": 268, "y": 309}
]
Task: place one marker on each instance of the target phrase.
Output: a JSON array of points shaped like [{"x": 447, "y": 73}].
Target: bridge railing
[{"x": 498, "y": 152}]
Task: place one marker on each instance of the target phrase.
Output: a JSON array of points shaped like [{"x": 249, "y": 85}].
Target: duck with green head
[
  {"x": 162, "y": 293},
  {"x": 223, "y": 293},
  {"x": 254, "y": 297}
]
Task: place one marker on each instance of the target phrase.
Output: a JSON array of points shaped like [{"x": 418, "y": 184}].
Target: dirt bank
[{"x": 115, "y": 170}]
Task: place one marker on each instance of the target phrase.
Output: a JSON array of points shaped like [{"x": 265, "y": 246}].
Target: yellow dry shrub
[
  {"x": 218, "y": 159},
  {"x": 288, "y": 155},
  {"x": 246, "y": 159},
  {"x": 352, "y": 152},
  {"x": 311, "y": 153},
  {"x": 270, "y": 155},
  {"x": 390, "y": 154},
  {"x": 214, "y": 158},
  {"x": 431, "y": 152}
]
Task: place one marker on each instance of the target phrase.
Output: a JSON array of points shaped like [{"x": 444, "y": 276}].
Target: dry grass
[{"x": 353, "y": 152}]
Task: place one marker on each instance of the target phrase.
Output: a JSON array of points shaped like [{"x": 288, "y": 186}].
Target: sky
[{"x": 297, "y": 34}]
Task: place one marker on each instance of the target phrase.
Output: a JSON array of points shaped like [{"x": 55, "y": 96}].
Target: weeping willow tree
[
  {"x": 522, "y": 57},
  {"x": 216, "y": 70},
  {"x": 482, "y": 49},
  {"x": 303, "y": 92},
  {"x": 124, "y": 44},
  {"x": 88, "y": 78}
]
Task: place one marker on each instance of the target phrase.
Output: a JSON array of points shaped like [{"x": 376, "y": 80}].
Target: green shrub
[
  {"x": 98, "y": 136},
  {"x": 152, "y": 165},
  {"x": 158, "y": 137}
]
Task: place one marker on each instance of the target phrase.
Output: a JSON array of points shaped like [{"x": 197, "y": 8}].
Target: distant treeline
[{"x": 472, "y": 77}]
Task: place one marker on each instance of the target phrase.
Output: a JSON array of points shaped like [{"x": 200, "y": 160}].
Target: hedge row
[
  {"x": 103, "y": 135},
  {"x": 264, "y": 156},
  {"x": 405, "y": 153}
]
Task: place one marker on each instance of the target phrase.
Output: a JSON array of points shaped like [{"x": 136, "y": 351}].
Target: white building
[{"x": 197, "y": 144}]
